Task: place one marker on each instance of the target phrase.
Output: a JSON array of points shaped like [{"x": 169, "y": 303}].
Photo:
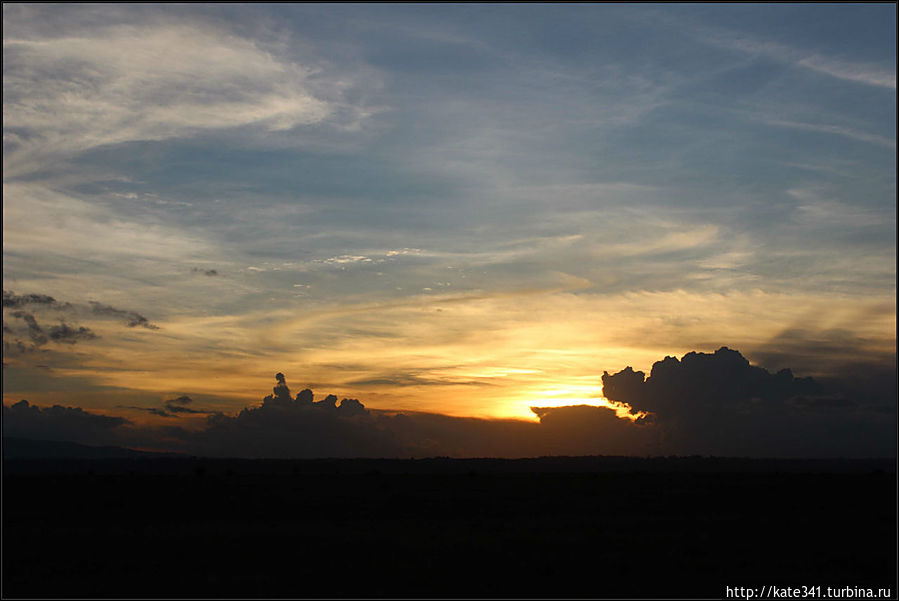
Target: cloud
[
  {"x": 869, "y": 74},
  {"x": 594, "y": 429},
  {"x": 40, "y": 336},
  {"x": 286, "y": 426},
  {"x": 297, "y": 427},
  {"x": 23, "y": 420},
  {"x": 65, "y": 332},
  {"x": 342, "y": 259},
  {"x": 116, "y": 83},
  {"x": 152, "y": 410},
  {"x": 845, "y": 364},
  {"x": 16, "y": 347},
  {"x": 403, "y": 251},
  {"x": 181, "y": 409},
  {"x": 70, "y": 335},
  {"x": 718, "y": 403},
  {"x": 815, "y": 207},
  {"x": 60, "y": 226},
  {"x": 705, "y": 403},
  {"x": 34, "y": 330},
  {"x": 11, "y": 299},
  {"x": 283, "y": 426},
  {"x": 840, "y": 349},
  {"x": 860, "y": 72},
  {"x": 669, "y": 242},
  {"x": 44, "y": 302},
  {"x": 172, "y": 408},
  {"x": 431, "y": 434},
  {"x": 846, "y": 132},
  {"x": 132, "y": 319},
  {"x": 181, "y": 400},
  {"x": 702, "y": 382},
  {"x": 207, "y": 272}
]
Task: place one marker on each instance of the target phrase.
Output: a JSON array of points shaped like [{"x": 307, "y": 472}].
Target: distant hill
[{"x": 24, "y": 448}]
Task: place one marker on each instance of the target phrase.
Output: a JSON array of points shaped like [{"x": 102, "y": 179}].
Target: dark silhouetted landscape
[{"x": 591, "y": 527}]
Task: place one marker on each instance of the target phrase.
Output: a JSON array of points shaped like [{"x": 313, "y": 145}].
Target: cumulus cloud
[
  {"x": 718, "y": 403},
  {"x": 702, "y": 382},
  {"x": 297, "y": 427}
]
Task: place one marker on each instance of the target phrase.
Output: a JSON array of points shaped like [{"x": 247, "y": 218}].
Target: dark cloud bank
[
  {"x": 58, "y": 423},
  {"x": 705, "y": 404}
]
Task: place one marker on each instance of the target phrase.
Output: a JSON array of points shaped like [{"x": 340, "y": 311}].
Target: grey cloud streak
[
  {"x": 34, "y": 330},
  {"x": 172, "y": 408},
  {"x": 70, "y": 335},
  {"x": 46, "y": 302},
  {"x": 131, "y": 318},
  {"x": 40, "y": 336},
  {"x": 10, "y": 299},
  {"x": 29, "y": 336}
]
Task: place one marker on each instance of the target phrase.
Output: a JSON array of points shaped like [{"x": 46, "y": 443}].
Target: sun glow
[{"x": 575, "y": 394}]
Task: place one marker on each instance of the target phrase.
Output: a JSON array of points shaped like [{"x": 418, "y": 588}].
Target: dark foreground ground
[{"x": 576, "y": 527}]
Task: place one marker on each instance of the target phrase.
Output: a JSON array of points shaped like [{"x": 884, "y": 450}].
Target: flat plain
[{"x": 591, "y": 527}]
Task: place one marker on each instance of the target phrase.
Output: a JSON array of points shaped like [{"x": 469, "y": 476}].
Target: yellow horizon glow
[
  {"x": 472, "y": 356},
  {"x": 516, "y": 407}
]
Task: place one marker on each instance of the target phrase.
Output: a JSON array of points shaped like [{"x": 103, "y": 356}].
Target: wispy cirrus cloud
[
  {"x": 816, "y": 208},
  {"x": 867, "y": 73},
  {"x": 42, "y": 221},
  {"x": 66, "y": 94},
  {"x": 873, "y": 75},
  {"x": 837, "y": 130}
]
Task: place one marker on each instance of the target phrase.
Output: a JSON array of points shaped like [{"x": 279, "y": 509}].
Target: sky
[{"x": 466, "y": 210}]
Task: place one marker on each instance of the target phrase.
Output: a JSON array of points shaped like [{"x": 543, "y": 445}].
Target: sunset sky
[{"x": 458, "y": 209}]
